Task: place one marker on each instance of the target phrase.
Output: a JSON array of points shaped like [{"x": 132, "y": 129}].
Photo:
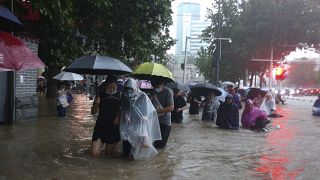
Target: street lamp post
[
  {"x": 185, "y": 59},
  {"x": 219, "y": 58}
]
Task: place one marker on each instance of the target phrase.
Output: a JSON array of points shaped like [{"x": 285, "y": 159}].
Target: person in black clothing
[
  {"x": 195, "y": 102},
  {"x": 228, "y": 114},
  {"x": 180, "y": 104},
  {"x": 316, "y": 107},
  {"x": 106, "y": 129}
]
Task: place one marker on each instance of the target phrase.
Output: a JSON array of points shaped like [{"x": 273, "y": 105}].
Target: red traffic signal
[{"x": 280, "y": 73}]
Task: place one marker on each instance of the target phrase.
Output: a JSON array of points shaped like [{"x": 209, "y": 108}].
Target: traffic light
[{"x": 280, "y": 73}]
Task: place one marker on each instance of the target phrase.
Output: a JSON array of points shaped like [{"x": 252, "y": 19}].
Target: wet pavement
[{"x": 58, "y": 148}]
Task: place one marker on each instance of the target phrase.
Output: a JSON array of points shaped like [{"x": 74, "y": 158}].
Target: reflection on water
[{"x": 55, "y": 147}]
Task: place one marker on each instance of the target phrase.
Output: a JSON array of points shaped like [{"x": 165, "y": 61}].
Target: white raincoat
[
  {"x": 268, "y": 104},
  {"x": 139, "y": 122}
]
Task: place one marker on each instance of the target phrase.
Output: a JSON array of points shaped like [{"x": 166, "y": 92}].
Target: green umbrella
[{"x": 153, "y": 71}]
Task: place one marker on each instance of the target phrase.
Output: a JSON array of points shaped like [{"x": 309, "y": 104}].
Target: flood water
[{"x": 58, "y": 148}]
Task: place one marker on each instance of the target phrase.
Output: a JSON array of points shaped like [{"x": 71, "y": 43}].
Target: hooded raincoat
[{"x": 139, "y": 122}]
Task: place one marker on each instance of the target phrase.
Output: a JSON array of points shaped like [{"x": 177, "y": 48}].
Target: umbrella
[
  {"x": 103, "y": 65},
  {"x": 227, "y": 83},
  {"x": 180, "y": 86},
  {"x": 223, "y": 95},
  {"x": 251, "y": 93},
  {"x": 68, "y": 76},
  {"x": 15, "y": 55},
  {"x": 8, "y": 21},
  {"x": 153, "y": 71},
  {"x": 204, "y": 89}
]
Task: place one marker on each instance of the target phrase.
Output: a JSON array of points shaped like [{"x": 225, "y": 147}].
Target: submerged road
[{"x": 58, "y": 148}]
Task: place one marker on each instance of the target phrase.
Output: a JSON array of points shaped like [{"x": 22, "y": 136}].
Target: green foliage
[
  {"x": 204, "y": 62},
  {"x": 122, "y": 29},
  {"x": 303, "y": 75},
  {"x": 257, "y": 25}
]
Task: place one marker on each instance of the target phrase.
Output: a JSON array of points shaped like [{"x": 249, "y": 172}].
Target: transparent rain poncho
[
  {"x": 268, "y": 104},
  {"x": 139, "y": 122}
]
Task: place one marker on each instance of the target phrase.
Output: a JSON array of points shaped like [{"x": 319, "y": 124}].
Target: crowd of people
[{"x": 142, "y": 120}]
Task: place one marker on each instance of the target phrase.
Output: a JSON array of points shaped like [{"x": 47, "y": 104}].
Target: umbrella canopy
[
  {"x": 153, "y": 71},
  {"x": 251, "y": 93},
  {"x": 15, "y": 55},
  {"x": 223, "y": 95},
  {"x": 203, "y": 89},
  {"x": 8, "y": 21},
  {"x": 103, "y": 65},
  {"x": 180, "y": 86},
  {"x": 68, "y": 76}
]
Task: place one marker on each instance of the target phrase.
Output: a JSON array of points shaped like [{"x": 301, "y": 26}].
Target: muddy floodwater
[{"x": 58, "y": 148}]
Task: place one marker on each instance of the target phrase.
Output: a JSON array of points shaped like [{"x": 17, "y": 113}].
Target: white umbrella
[
  {"x": 68, "y": 76},
  {"x": 223, "y": 95}
]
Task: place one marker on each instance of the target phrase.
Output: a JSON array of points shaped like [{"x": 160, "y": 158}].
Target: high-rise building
[
  {"x": 195, "y": 41},
  {"x": 187, "y": 12},
  {"x": 189, "y": 25}
]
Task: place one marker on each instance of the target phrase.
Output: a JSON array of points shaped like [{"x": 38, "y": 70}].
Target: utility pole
[
  {"x": 271, "y": 60},
  {"x": 185, "y": 60},
  {"x": 219, "y": 36}
]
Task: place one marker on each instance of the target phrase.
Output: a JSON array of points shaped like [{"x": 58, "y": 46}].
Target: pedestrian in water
[
  {"x": 165, "y": 98},
  {"x": 235, "y": 96},
  {"x": 106, "y": 129},
  {"x": 228, "y": 114},
  {"x": 195, "y": 102},
  {"x": 253, "y": 117},
  {"x": 62, "y": 102},
  {"x": 180, "y": 105},
  {"x": 210, "y": 108},
  {"x": 139, "y": 124},
  {"x": 269, "y": 106},
  {"x": 257, "y": 101},
  {"x": 316, "y": 107}
]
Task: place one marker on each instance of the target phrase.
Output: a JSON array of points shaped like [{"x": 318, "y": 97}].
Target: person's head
[
  {"x": 176, "y": 92},
  {"x": 158, "y": 85},
  {"x": 61, "y": 86},
  {"x": 259, "y": 96},
  {"x": 211, "y": 95},
  {"x": 231, "y": 90},
  {"x": 131, "y": 89},
  {"x": 110, "y": 85},
  {"x": 249, "y": 104},
  {"x": 229, "y": 99}
]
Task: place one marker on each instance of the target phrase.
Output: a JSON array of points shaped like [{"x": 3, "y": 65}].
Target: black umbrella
[
  {"x": 180, "y": 86},
  {"x": 251, "y": 93},
  {"x": 203, "y": 89},
  {"x": 98, "y": 65},
  {"x": 8, "y": 21}
]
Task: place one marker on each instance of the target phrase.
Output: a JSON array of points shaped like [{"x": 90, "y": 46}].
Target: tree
[
  {"x": 204, "y": 62},
  {"x": 256, "y": 26},
  {"x": 119, "y": 28},
  {"x": 303, "y": 74}
]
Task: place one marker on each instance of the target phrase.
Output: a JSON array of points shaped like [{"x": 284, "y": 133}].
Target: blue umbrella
[{"x": 8, "y": 21}]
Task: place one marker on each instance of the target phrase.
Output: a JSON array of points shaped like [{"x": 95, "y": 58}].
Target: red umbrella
[{"x": 15, "y": 55}]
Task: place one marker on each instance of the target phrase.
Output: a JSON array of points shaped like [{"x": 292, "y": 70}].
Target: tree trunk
[
  {"x": 52, "y": 85},
  {"x": 251, "y": 79}
]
